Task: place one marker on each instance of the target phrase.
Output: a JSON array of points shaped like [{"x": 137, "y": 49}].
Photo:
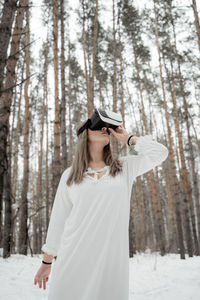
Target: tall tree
[
  {"x": 56, "y": 158},
  {"x": 7, "y": 19},
  {"x": 141, "y": 55},
  {"x": 90, "y": 50},
  {"x": 174, "y": 183},
  {"x": 196, "y": 20},
  {"x": 186, "y": 185},
  {"x": 63, "y": 93},
  {"x": 5, "y": 104},
  {"x": 23, "y": 213}
]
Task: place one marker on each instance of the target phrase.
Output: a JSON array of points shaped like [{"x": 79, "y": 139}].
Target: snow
[{"x": 152, "y": 277}]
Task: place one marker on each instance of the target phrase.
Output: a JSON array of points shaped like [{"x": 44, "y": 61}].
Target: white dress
[{"x": 88, "y": 229}]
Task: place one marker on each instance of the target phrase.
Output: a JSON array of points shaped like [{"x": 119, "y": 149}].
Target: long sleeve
[
  {"x": 150, "y": 154},
  {"x": 60, "y": 211}
]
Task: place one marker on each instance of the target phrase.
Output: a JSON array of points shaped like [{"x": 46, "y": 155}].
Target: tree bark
[
  {"x": 56, "y": 158},
  {"x": 23, "y": 213},
  {"x": 89, "y": 75},
  {"x": 196, "y": 20},
  {"x": 7, "y": 19},
  {"x": 184, "y": 173},
  {"x": 173, "y": 176},
  {"x": 5, "y": 106},
  {"x": 63, "y": 93}
]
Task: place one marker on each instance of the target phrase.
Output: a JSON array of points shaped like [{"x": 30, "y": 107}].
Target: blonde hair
[{"x": 82, "y": 158}]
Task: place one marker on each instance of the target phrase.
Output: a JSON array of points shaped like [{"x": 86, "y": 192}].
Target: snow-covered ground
[{"x": 152, "y": 277}]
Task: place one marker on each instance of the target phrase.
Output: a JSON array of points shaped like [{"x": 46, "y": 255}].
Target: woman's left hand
[{"x": 120, "y": 134}]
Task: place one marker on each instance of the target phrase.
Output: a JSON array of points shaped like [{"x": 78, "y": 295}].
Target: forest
[{"x": 61, "y": 59}]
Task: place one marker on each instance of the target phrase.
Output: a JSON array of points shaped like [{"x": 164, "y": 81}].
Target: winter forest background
[{"x": 59, "y": 60}]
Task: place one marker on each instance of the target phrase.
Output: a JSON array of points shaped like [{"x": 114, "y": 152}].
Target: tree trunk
[
  {"x": 47, "y": 138},
  {"x": 157, "y": 217},
  {"x": 56, "y": 158},
  {"x": 196, "y": 21},
  {"x": 184, "y": 173},
  {"x": 5, "y": 106},
  {"x": 121, "y": 82},
  {"x": 70, "y": 133},
  {"x": 7, "y": 19},
  {"x": 63, "y": 94},
  {"x": 23, "y": 217},
  {"x": 39, "y": 174},
  {"x": 173, "y": 177},
  {"x": 89, "y": 75},
  {"x": 114, "y": 78},
  {"x": 184, "y": 178}
]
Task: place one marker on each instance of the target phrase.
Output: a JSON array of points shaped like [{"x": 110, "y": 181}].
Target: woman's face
[{"x": 100, "y": 136}]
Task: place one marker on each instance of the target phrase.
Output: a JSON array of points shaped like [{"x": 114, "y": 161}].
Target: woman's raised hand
[
  {"x": 120, "y": 134},
  {"x": 42, "y": 275}
]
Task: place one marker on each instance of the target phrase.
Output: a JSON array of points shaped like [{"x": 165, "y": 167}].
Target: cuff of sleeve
[
  {"x": 142, "y": 143},
  {"x": 48, "y": 250}
]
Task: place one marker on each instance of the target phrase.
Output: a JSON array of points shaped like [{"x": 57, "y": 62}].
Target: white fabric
[
  {"x": 88, "y": 229},
  {"x": 95, "y": 172}
]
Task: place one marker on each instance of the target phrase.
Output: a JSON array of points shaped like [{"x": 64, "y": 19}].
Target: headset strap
[{"x": 86, "y": 125}]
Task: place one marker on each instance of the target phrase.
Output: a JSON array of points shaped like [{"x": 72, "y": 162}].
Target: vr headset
[{"x": 102, "y": 118}]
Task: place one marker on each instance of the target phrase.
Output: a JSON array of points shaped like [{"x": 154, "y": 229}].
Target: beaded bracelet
[{"x": 129, "y": 139}]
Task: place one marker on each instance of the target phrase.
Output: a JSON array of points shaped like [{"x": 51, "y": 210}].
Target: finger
[
  {"x": 44, "y": 284},
  {"x": 121, "y": 128},
  {"x": 40, "y": 284},
  {"x": 115, "y": 133},
  {"x": 112, "y": 131}
]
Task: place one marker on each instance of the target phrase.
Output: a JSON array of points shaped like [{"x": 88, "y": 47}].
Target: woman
[{"x": 88, "y": 229}]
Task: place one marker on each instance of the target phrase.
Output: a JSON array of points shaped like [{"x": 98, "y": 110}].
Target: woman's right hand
[{"x": 42, "y": 275}]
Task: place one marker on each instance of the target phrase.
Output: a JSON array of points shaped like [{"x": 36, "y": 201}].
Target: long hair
[{"x": 82, "y": 158}]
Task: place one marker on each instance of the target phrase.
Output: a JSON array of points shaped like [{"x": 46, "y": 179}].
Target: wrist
[
  {"x": 132, "y": 140},
  {"x": 48, "y": 258},
  {"x": 45, "y": 265}
]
